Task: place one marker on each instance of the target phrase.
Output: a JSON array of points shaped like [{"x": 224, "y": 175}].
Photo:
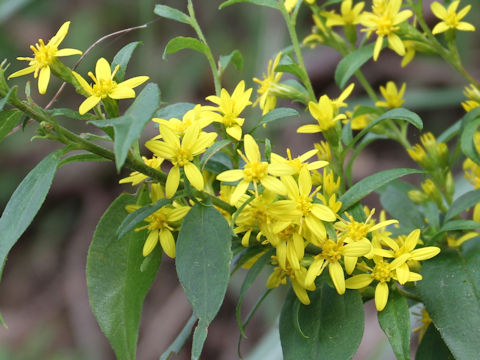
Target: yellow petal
[
  {"x": 252, "y": 151},
  {"x": 358, "y": 248},
  {"x": 170, "y": 137},
  {"x": 425, "y": 253},
  {"x": 67, "y": 52},
  {"x": 323, "y": 212},
  {"x": 403, "y": 273},
  {"x": 378, "y": 48},
  {"x": 150, "y": 243},
  {"x": 230, "y": 175},
  {"x": 439, "y": 28},
  {"x": 102, "y": 69},
  {"x": 464, "y": 26},
  {"x": 338, "y": 278},
  {"x": 83, "y": 83},
  {"x": 350, "y": 263},
  {"x": 168, "y": 243},
  {"x": 273, "y": 184},
  {"x": 281, "y": 252},
  {"x": 358, "y": 281},
  {"x": 279, "y": 169},
  {"x": 121, "y": 92},
  {"x": 314, "y": 270},
  {"x": 309, "y": 129},
  {"x": 381, "y": 296},
  {"x": 60, "y": 35},
  {"x": 238, "y": 192},
  {"x": 235, "y": 131},
  {"x": 43, "y": 79},
  {"x": 438, "y": 10},
  {"x": 134, "y": 82},
  {"x": 301, "y": 293},
  {"x": 88, "y": 104},
  {"x": 22, "y": 72},
  {"x": 194, "y": 176},
  {"x": 173, "y": 180}
]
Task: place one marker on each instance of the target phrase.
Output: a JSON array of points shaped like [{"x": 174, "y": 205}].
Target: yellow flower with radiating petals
[
  {"x": 269, "y": 86},
  {"x": 255, "y": 171},
  {"x": 137, "y": 177},
  {"x": 332, "y": 252},
  {"x": 229, "y": 109},
  {"x": 196, "y": 115},
  {"x": 383, "y": 272},
  {"x": 325, "y": 113},
  {"x": 104, "y": 86},
  {"x": 385, "y": 21},
  {"x": 44, "y": 55},
  {"x": 393, "y": 96},
  {"x": 473, "y": 95},
  {"x": 347, "y": 16},
  {"x": 297, "y": 278},
  {"x": 451, "y": 19},
  {"x": 299, "y": 162},
  {"x": 181, "y": 154},
  {"x": 161, "y": 224}
]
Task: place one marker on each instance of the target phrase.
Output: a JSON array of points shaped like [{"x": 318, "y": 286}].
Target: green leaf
[
  {"x": 4, "y": 100},
  {"x": 69, "y": 113},
  {"x": 82, "y": 158},
  {"x": 395, "y": 200},
  {"x": 129, "y": 126},
  {"x": 116, "y": 286},
  {"x": 432, "y": 347},
  {"x": 460, "y": 225},
  {"x": 371, "y": 183},
  {"x": 181, "y": 42},
  {"x": 176, "y": 110},
  {"x": 136, "y": 217},
  {"x": 269, "y": 3},
  {"x": 463, "y": 203},
  {"x": 472, "y": 122},
  {"x": 203, "y": 265},
  {"x": 395, "y": 114},
  {"x": 288, "y": 65},
  {"x": 25, "y": 202},
  {"x": 122, "y": 58},
  {"x": 351, "y": 63},
  {"x": 450, "y": 290},
  {"x": 172, "y": 14},
  {"x": 333, "y": 323},
  {"x": 252, "y": 274},
  {"x": 450, "y": 132},
  {"x": 212, "y": 150},
  {"x": 277, "y": 114},
  {"x": 8, "y": 120},
  {"x": 235, "y": 57},
  {"x": 180, "y": 340},
  {"x": 395, "y": 323}
]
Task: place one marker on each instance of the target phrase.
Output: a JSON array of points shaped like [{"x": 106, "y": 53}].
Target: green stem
[
  {"x": 209, "y": 55},
  {"x": 407, "y": 294}
]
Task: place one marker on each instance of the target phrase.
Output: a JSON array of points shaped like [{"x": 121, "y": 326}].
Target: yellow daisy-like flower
[
  {"x": 161, "y": 224},
  {"x": 104, "y": 86},
  {"x": 325, "y": 114},
  {"x": 332, "y": 252},
  {"x": 255, "y": 171},
  {"x": 451, "y": 19},
  {"x": 385, "y": 21},
  {"x": 383, "y": 272},
  {"x": 229, "y": 109},
  {"x": 393, "y": 96},
  {"x": 268, "y": 86},
  {"x": 44, "y": 55},
  {"x": 297, "y": 278},
  {"x": 197, "y": 115},
  {"x": 473, "y": 95},
  {"x": 299, "y": 162},
  {"x": 348, "y": 15},
  {"x": 137, "y": 177},
  {"x": 181, "y": 154}
]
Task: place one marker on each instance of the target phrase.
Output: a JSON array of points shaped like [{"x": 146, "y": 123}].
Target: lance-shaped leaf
[
  {"x": 463, "y": 203},
  {"x": 122, "y": 58},
  {"x": 172, "y": 14},
  {"x": 235, "y": 58},
  {"x": 176, "y": 110},
  {"x": 332, "y": 325},
  {"x": 203, "y": 265},
  {"x": 181, "y": 42},
  {"x": 450, "y": 290},
  {"x": 269, "y": 3},
  {"x": 432, "y": 347},
  {"x": 25, "y": 203},
  {"x": 351, "y": 63},
  {"x": 8, "y": 120},
  {"x": 129, "y": 126},
  {"x": 472, "y": 122},
  {"x": 116, "y": 284}
]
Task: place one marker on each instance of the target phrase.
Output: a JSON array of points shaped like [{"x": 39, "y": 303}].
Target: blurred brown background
[{"x": 43, "y": 295}]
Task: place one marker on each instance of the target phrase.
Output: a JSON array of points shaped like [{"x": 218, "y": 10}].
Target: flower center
[
  {"x": 330, "y": 251},
  {"x": 183, "y": 157},
  {"x": 44, "y": 54},
  {"x": 254, "y": 171},
  {"x": 451, "y": 20},
  {"x": 385, "y": 25},
  {"x": 304, "y": 204},
  {"x": 158, "y": 221},
  {"x": 102, "y": 87},
  {"x": 382, "y": 272}
]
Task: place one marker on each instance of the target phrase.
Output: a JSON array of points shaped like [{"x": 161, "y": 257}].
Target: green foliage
[
  {"x": 81, "y": 158},
  {"x": 129, "y": 126},
  {"x": 180, "y": 340},
  {"x": 182, "y": 42},
  {"x": 432, "y": 347},
  {"x": 464, "y": 202},
  {"x": 116, "y": 286},
  {"x": 8, "y": 120},
  {"x": 332, "y": 325},
  {"x": 471, "y": 123},
  {"x": 268, "y": 3},
  {"x": 172, "y": 14},
  {"x": 122, "y": 58},
  {"x": 203, "y": 265},
  {"x": 395, "y": 323},
  {"x": 176, "y": 110},
  {"x": 450, "y": 290},
  {"x": 235, "y": 58},
  {"x": 351, "y": 63}
]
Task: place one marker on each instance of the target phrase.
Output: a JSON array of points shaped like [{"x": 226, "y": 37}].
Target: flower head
[
  {"x": 44, "y": 55},
  {"x": 104, "y": 86},
  {"x": 268, "y": 86},
  {"x": 347, "y": 16},
  {"x": 473, "y": 95},
  {"x": 137, "y": 177},
  {"x": 393, "y": 96},
  {"x": 325, "y": 113},
  {"x": 451, "y": 19}
]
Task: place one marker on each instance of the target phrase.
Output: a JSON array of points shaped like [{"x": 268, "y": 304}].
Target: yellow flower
[
  {"x": 472, "y": 173},
  {"x": 297, "y": 278},
  {"x": 406, "y": 246},
  {"x": 410, "y": 51},
  {"x": 473, "y": 95},
  {"x": 299, "y": 162},
  {"x": 393, "y": 96},
  {"x": 385, "y": 21},
  {"x": 44, "y": 55},
  {"x": 255, "y": 171},
  {"x": 290, "y": 4},
  {"x": 197, "y": 115},
  {"x": 289, "y": 246},
  {"x": 104, "y": 86},
  {"x": 453, "y": 242},
  {"x": 383, "y": 272},
  {"x": 325, "y": 114},
  {"x": 181, "y": 154},
  {"x": 451, "y": 19},
  {"x": 269, "y": 86},
  {"x": 229, "y": 109},
  {"x": 137, "y": 177},
  {"x": 161, "y": 224},
  {"x": 332, "y": 252},
  {"x": 348, "y": 16}
]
